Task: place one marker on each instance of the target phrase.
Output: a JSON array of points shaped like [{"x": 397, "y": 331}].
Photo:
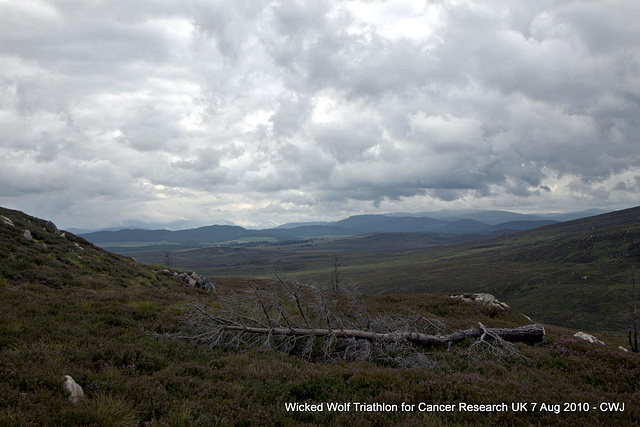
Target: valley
[{"x": 574, "y": 274}]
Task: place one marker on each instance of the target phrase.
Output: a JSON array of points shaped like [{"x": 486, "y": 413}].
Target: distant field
[
  {"x": 108, "y": 245},
  {"x": 242, "y": 240}
]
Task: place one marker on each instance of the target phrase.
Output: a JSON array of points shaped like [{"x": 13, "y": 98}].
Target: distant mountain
[
  {"x": 495, "y": 217},
  {"x": 521, "y": 225},
  {"x": 309, "y": 231},
  {"x": 300, "y": 224},
  {"x": 386, "y": 224},
  {"x": 449, "y": 222},
  {"x": 570, "y": 216}
]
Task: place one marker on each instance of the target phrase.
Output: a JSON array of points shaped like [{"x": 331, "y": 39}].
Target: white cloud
[{"x": 260, "y": 113}]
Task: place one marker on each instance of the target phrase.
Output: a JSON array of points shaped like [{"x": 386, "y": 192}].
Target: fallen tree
[
  {"x": 302, "y": 319},
  {"x": 530, "y": 334}
]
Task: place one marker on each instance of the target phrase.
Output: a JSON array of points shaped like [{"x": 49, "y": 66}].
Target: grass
[
  {"x": 101, "y": 318},
  {"x": 131, "y": 377}
]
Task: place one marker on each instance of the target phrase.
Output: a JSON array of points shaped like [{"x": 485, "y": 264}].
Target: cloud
[{"x": 258, "y": 113}]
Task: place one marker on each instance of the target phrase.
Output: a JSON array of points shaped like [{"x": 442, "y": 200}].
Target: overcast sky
[{"x": 196, "y": 112}]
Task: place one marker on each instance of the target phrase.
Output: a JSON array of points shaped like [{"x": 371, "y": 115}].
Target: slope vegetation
[{"x": 70, "y": 308}]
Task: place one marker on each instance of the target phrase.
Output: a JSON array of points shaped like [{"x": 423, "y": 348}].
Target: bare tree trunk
[
  {"x": 529, "y": 334},
  {"x": 335, "y": 276}
]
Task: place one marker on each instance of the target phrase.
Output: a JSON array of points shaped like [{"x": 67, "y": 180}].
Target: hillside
[{"x": 70, "y": 308}]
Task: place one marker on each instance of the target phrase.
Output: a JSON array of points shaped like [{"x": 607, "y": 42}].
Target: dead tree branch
[{"x": 301, "y": 318}]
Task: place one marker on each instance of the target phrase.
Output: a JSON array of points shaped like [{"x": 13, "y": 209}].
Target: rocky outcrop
[
  {"x": 73, "y": 388},
  {"x": 588, "y": 338},
  {"x": 484, "y": 299},
  {"x": 27, "y": 235},
  {"x": 191, "y": 280}
]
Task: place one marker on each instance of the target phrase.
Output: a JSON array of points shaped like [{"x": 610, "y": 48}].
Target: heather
[{"x": 111, "y": 324}]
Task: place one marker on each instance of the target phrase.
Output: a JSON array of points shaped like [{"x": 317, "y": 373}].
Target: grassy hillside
[{"x": 69, "y": 308}]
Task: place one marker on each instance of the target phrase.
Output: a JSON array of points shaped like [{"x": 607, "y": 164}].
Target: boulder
[
  {"x": 74, "y": 389},
  {"x": 51, "y": 227},
  {"x": 192, "y": 280},
  {"x": 164, "y": 272},
  {"x": 588, "y": 338},
  {"x": 6, "y": 220},
  {"x": 482, "y": 298},
  {"x": 27, "y": 235}
]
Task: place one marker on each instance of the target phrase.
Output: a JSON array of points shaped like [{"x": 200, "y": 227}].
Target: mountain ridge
[{"x": 351, "y": 226}]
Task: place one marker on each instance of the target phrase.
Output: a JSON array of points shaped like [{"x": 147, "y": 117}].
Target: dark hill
[{"x": 60, "y": 259}]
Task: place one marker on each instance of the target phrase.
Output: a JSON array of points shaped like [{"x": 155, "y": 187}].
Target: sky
[{"x": 182, "y": 113}]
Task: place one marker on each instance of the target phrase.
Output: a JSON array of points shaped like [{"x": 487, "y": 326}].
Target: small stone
[{"x": 74, "y": 389}]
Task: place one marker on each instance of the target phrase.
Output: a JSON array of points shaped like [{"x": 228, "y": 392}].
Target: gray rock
[
  {"x": 6, "y": 220},
  {"x": 482, "y": 298},
  {"x": 75, "y": 391},
  {"x": 588, "y": 338},
  {"x": 51, "y": 227},
  {"x": 195, "y": 280},
  {"x": 207, "y": 285},
  {"x": 27, "y": 235}
]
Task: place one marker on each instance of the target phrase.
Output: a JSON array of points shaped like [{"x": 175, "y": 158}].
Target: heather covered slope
[
  {"x": 93, "y": 315},
  {"x": 57, "y": 259}
]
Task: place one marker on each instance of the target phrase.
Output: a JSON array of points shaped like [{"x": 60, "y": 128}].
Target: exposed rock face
[
  {"x": 484, "y": 299},
  {"x": 588, "y": 338},
  {"x": 6, "y": 220},
  {"x": 27, "y": 235},
  {"x": 74, "y": 389}
]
